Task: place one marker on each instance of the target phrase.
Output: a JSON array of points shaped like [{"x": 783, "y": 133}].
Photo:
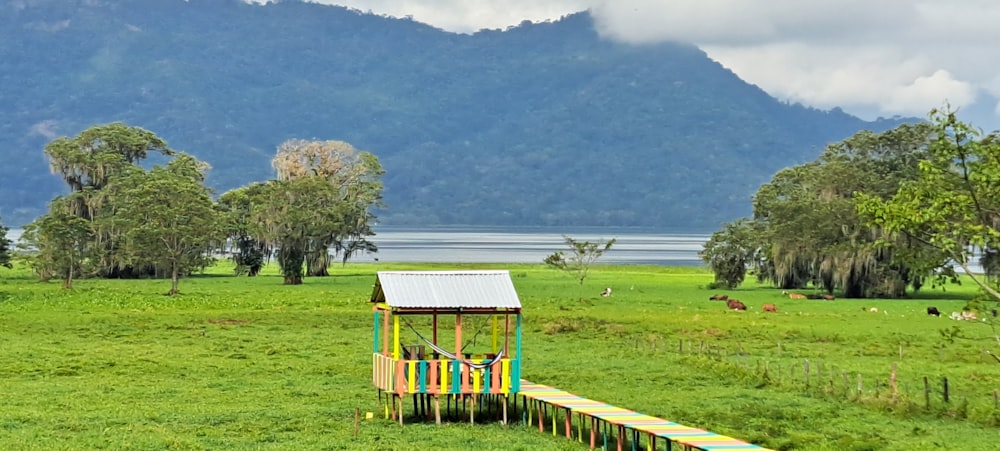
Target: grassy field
[{"x": 247, "y": 363}]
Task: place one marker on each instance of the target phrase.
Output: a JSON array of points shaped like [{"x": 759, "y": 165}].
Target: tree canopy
[
  {"x": 806, "y": 229},
  {"x": 953, "y": 205}
]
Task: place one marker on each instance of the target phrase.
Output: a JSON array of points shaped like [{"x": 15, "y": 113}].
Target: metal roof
[{"x": 446, "y": 289}]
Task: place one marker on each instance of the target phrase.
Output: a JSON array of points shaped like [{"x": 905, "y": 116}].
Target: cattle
[
  {"x": 770, "y": 308},
  {"x": 968, "y": 315},
  {"x": 719, "y": 297},
  {"x": 796, "y": 296},
  {"x": 828, "y": 297},
  {"x": 734, "y": 304},
  {"x": 873, "y": 310},
  {"x": 814, "y": 296},
  {"x": 607, "y": 292},
  {"x": 933, "y": 311}
]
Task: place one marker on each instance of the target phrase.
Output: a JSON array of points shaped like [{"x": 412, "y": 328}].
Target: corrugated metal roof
[{"x": 446, "y": 289}]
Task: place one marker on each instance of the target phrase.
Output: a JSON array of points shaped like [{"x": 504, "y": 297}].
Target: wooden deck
[{"x": 625, "y": 428}]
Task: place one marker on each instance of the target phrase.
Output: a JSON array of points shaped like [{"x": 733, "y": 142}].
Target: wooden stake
[
  {"x": 357, "y": 420},
  {"x": 437, "y": 409}
]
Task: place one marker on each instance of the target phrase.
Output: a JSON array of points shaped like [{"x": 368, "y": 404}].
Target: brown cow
[
  {"x": 796, "y": 296},
  {"x": 734, "y": 304},
  {"x": 719, "y": 297},
  {"x": 828, "y": 297},
  {"x": 770, "y": 308}
]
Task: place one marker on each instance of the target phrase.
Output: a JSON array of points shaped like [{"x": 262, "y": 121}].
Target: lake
[{"x": 523, "y": 245}]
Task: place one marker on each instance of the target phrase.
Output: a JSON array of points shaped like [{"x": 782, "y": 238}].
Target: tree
[
  {"x": 810, "y": 228},
  {"x": 168, "y": 217},
  {"x": 337, "y": 213},
  {"x": 582, "y": 255},
  {"x": 731, "y": 251},
  {"x": 59, "y": 241},
  {"x": 953, "y": 206},
  {"x": 88, "y": 163},
  {"x": 239, "y": 209},
  {"x": 4, "y": 247}
]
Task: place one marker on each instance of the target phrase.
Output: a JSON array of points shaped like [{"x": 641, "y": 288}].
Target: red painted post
[{"x": 569, "y": 425}]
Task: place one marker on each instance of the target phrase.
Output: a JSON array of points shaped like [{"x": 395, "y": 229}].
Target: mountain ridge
[{"x": 542, "y": 124}]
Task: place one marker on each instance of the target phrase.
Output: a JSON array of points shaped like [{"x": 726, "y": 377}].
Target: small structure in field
[{"x": 438, "y": 362}]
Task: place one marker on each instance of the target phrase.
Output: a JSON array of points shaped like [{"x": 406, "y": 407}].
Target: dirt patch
[{"x": 229, "y": 322}]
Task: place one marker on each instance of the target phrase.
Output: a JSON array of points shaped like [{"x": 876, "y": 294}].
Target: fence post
[
  {"x": 807, "y": 373},
  {"x": 927, "y": 393},
  {"x": 944, "y": 383},
  {"x": 892, "y": 382}
]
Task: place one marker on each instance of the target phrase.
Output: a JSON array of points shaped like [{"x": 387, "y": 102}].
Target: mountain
[{"x": 542, "y": 124}]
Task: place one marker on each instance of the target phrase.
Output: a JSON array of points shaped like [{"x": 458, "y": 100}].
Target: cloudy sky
[{"x": 870, "y": 57}]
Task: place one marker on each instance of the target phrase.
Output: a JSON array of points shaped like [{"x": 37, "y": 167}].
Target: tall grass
[{"x": 248, "y": 363}]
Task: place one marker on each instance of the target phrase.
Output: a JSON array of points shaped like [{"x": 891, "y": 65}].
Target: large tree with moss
[
  {"x": 953, "y": 206},
  {"x": 89, "y": 162},
  {"x": 806, "y": 228}
]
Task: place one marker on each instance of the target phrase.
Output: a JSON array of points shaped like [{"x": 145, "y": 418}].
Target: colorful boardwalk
[{"x": 623, "y": 427}]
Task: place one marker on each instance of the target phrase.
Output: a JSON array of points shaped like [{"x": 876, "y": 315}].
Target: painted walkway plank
[{"x": 653, "y": 427}]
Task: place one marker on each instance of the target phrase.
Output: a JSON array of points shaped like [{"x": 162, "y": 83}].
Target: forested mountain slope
[{"x": 539, "y": 124}]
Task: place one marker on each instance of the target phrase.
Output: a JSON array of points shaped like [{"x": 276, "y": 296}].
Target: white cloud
[{"x": 870, "y": 57}]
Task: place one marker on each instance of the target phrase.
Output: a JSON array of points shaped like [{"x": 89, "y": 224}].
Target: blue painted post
[
  {"x": 515, "y": 383},
  {"x": 423, "y": 376}
]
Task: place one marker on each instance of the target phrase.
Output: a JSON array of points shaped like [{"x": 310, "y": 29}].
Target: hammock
[{"x": 470, "y": 364}]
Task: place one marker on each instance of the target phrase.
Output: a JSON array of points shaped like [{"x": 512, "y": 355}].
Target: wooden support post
[
  {"x": 569, "y": 424},
  {"x": 437, "y": 409},
  {"x": 472, "y": 411},
  {"x": 593, "y": 432},
  {"x": 434, "y": 322},
  {"x": 621, "y": 433},
  {"x": 400, "y": 398},
  {"x": 541, "y": 416},
  {"x": 385, "y": 329}
]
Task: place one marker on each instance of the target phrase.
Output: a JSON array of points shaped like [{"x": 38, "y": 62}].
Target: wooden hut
[{"x": 437, "y": 313}]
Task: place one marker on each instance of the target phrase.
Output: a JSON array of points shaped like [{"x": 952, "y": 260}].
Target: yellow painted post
[
  {"x": 554, "y": 414},
  {"x": 444, "y": 377},
  {"x": 411, "y": 381},
  {"x": 395, "y": 338},
  {"x": 505, "y": 381},
  {"x": 475, "y": 377}
]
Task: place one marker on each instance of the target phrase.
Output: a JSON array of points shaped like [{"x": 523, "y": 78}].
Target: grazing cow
[
  {"x": 719, "y": 297},
  {"x": 968, "y": 315},
  {"x": 814, "y": 296},
  {"x": 607, "y": 292},
  {"x": 873, "y": 310},
  {"x": 796, "y": 296},
  {"x": 828, "y": 297},
  {"x": 770, "y": 308},
  {"x": 734, "y": 304},
  {"x": 933, "y": 311}
]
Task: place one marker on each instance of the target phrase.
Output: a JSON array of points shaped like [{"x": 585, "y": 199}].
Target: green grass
[{"x": 247, "y": 363}]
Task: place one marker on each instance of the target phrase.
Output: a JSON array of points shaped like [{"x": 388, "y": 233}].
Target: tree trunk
[
  {"x": 293, "y": 280},
  {"x": 174, "y": 280},
  {"x": 68, "y": 283}
]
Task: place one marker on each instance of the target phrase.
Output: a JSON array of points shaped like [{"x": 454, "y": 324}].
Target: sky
[{"x": 870, "y": 57}]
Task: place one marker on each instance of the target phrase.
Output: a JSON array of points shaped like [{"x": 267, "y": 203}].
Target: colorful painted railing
[
  {"x": 601, "y": 417},
  {"x": 444, "y": 376}
]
